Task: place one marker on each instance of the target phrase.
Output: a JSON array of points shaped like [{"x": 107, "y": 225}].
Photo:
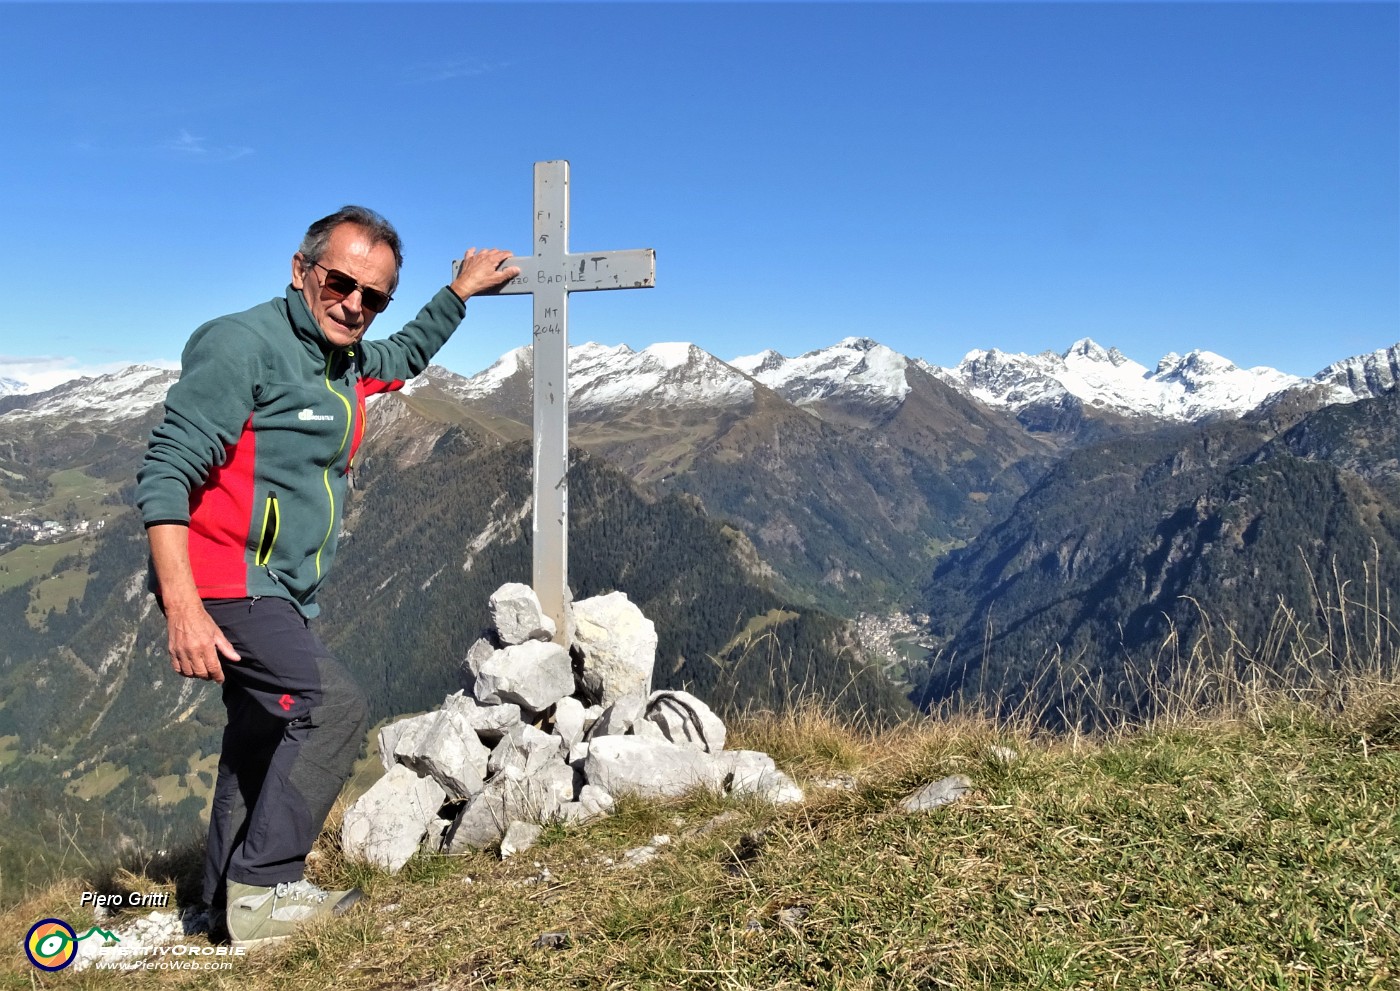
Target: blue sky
[{"x": 940, "y": 177}]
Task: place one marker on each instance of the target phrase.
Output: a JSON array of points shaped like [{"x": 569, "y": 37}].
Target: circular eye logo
[{"x": 51, "y": 944}]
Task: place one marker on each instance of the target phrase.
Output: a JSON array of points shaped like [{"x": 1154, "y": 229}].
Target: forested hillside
[
  {"x": 433, "y": 540},
  {"x": 1128, "y": 556}
]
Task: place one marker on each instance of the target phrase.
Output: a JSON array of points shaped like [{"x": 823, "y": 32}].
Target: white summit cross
[{"x": 550, "y": 274}]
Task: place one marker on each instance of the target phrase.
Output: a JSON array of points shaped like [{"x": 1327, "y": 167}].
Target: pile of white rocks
[{"x": 541, "y": 733}]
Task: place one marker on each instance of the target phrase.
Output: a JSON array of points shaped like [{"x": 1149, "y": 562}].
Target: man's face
[{"x": 344, "y": 319}]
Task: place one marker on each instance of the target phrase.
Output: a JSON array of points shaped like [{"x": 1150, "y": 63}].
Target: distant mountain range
[
  {"x": 1199, "y": 385},
  {"x": 852, "y": 469}
]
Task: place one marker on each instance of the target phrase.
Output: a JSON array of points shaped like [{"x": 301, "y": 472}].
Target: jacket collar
[{"x": 304, "y": 325}]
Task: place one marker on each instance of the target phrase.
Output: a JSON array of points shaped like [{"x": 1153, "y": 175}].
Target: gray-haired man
[{"x": 242, "y": 492}]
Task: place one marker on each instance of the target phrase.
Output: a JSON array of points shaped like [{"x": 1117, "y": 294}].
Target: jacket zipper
[
  {"x": 326, "y": 474},
  {"x": 271, "y": 523}
]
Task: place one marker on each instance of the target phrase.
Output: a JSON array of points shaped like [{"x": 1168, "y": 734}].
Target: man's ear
[{"x": 298, "y": 270}]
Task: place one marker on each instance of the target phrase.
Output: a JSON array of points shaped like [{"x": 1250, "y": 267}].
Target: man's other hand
[{"x": 198, "y": 647}]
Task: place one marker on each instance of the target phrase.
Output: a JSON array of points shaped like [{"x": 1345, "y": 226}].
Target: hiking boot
[{"x": 264, "y": 915}]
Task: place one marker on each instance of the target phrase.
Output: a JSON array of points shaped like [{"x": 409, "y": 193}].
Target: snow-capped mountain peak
[
  {"x": 670, "y": 375},
  {"x": 1361, "y": 376},
  {"x": 1199, "y": 385},
  {"x": 855, "y": 368},
  {"x": 126, "y": 394},
  {"x": 1088, "y": 349},
  {"x": 662, "y": 375}
]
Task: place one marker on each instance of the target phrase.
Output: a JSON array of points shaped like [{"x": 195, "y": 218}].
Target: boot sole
[
  {"x": 350, "y": 899},
  {"x": 260, "y": 941}
]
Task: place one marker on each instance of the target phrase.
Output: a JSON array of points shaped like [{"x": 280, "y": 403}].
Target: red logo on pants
[{"x": 286, "y": 702}]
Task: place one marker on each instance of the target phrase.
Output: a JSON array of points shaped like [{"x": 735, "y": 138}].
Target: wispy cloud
[
  {"x": 40, "y": 372},
  {"x": 197, "y": 149},
  {"x": 445, "y": 69}
]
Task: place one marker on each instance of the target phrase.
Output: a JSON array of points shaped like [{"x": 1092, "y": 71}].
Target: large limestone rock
[
  {"x": 618, "y": 645},
  {"x": 478, "y": 654},
  {"x": 686, "y": 721},
  {"x": 449, "y": 751},
  {"x": 569, "y": 721},
  {"x": 491, "y": 722},
  {"x": 525, "y": 748},
  {"x": 388, "y": 822},
  {"x": 532, "y": 675},
  {"x": 631, "y": 765},
  {"x": 517, "y": 615},
  {"x": 619, "y": 717},
  {"x": 399, "y": 737},
  {"x": 511, "y": 795}
]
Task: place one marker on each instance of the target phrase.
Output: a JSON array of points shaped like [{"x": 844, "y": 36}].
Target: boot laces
[{"x": 303, "y": 891}]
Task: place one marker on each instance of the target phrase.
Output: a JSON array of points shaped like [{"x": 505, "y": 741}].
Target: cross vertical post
[{"x": 550, "y": 274}]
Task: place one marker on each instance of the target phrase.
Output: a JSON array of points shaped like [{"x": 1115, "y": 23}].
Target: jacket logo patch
[
  {"x": 307, "y": 414},
  {"x": 286, "y": 702}
]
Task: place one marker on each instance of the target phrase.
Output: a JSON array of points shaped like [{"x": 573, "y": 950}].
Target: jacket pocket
[{"x": 270, "y": 524}]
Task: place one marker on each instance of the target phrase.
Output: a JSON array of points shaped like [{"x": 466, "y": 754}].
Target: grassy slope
[{"x": 1251, "y": 851}]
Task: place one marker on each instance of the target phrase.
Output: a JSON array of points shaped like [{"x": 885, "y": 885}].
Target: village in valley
[{"x": 17, "y": 530}]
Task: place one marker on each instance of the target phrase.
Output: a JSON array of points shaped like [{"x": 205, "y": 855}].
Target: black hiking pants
[{"x": 296, "y": 720}]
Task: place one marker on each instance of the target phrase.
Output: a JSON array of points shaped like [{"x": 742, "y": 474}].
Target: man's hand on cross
[{"x": 481, "y": 270}]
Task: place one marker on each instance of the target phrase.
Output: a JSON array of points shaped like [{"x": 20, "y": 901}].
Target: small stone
[
  {"x": 578, "y": 753},
  {"x": 638, "y": 856},
  {"x": 524, "y": 747},
  {"x": 519, "y": 837},
  {"x": 552, "y": 941},
  {"x": 619, "y": 717},
  {"x": 1004, "y": 755},
  {"x": 792, "y": 915},
  {"x": 593, "y": 803},
  {"x": 835, "y": 782},
  {"x": 937, "y": 793},
  {"x": 491, "y": 722}
]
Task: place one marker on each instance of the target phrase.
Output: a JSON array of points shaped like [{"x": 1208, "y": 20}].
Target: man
[{"x": 242, "y": 492}]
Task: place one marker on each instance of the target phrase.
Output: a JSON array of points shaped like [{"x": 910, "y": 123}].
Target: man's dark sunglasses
[{"x": 342, "y": 285}]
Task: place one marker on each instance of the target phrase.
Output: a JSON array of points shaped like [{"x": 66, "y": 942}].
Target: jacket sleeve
[
  {"x": 403, "y": 355},
  {"x": 205, "y": 412}
]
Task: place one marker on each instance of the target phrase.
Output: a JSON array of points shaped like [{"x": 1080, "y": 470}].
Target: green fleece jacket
[{"x": 259, "y": 438}]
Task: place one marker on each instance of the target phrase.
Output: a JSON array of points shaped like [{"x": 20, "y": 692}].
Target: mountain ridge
[{"x": 1180, "y": 388}]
